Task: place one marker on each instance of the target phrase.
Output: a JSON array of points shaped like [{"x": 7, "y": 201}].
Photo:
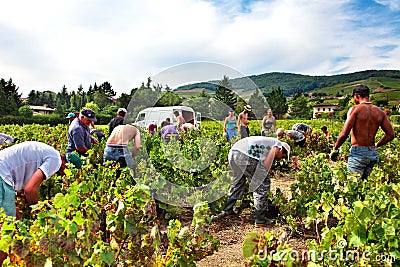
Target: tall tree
[
  {"x": 10, "y": 99},
  {"x": 32, "y": 98},
  {"x": 124, "y": 99},
  {"x": 278, "y": 103},
  {"x": 169, "y": 99},
  {"x": 90, "y": 92},
  {"x": 299, "y": 108},
  {"x": 224, "y": 93},
  {"x": 259, "y": 104}
]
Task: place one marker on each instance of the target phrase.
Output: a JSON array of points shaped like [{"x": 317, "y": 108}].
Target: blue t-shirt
[
  {"x": 78, "y": 136},
  {"x": 168, "y": 129}
]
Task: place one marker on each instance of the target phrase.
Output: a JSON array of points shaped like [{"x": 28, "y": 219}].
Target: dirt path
[{"x": 231, "y": 232}]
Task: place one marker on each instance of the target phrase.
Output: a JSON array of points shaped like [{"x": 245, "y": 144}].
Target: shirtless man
[
  {"x": 179, "y": 120},
  {"x": 243, "y": 122},
  {"x": 363, "y": 122},
  {"x": 117, "y": 146}
]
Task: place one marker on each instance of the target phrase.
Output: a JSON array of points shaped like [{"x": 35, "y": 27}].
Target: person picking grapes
[
  {"x": 23, "y": 168},
  {"x": 252, "y": 158},
  {"x": 363, "y": 122}
]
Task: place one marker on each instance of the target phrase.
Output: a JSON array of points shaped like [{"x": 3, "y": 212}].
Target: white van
[{"x": 156, "y": 115}]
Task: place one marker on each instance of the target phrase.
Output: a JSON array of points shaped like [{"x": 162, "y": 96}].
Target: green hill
[{"x": 385, "y": 84}]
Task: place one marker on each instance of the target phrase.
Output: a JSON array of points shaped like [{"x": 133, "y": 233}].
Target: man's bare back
[
  {"x": 368, "y": 119},
  {"x": 363, "y": 122}
]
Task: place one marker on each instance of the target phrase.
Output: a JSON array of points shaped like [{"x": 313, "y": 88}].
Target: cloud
[
  {"x": 46, "y": 45},
  {"x": 393, "y": 4}
]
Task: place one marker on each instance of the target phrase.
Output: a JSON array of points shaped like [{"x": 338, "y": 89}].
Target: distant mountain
[{"x": 291, "y": 83}]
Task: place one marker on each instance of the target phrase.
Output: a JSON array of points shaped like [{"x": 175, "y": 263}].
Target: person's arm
[
  {"x": 270, "y": 158},
  {"x": 31, "y": 188},
  {"x": 94, "y": 139},
  {"x": 136, "y": 146},
  {"x": 225, "y": 123},
  {"x": 274, "y": 124},
  {"x": 262, "y": 123},
  {"x": 388, "y": 130},
  {"x": 239, "y": 120},
  {"x": 348, "y": 125}
]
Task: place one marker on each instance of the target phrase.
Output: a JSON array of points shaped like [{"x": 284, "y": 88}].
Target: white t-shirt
[
  {"x": 256, "y": 147},
  {"x": 19, "y": 162}
]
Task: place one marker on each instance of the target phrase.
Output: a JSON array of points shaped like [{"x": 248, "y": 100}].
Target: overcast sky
[{"x": 46, "y": 44}]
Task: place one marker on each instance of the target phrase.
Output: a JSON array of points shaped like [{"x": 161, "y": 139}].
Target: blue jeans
[
  {"x": 230, "y": 133},
  {"x": 362, "y": 159},
  {"x": 7, "y": 198},
  {"x": 118, "y": 154}
]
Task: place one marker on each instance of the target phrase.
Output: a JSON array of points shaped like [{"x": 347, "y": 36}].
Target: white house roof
[
  {"x": 326, "y": 105},
  {"x": 41, "y": 108}
]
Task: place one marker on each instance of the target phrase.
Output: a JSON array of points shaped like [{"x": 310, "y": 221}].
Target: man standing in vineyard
[
  {"x": 252, "y": 157},
  {"x": 79, "y": 138},
  {"x": 23, "y": 167},
  {"x": 119, "y": 120},
  {"x": 180, "y": 121},
  {"x": 363, "y": 122},
  {"x": 243, "y": 122}
]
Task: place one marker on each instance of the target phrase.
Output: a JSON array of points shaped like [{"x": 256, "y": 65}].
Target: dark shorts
[{"x": 244, "y": 131}]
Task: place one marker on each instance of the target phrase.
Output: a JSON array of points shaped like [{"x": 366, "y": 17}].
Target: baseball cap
[
  {"x": 247, "y": 107},
  {"x": 87, "y": 112},
  {"x": 361, "y": 90},
  {"x": 70, "y": 115},
  {"x": 287, "y": 147},
  {"x": 231, "y": 110},
  {"x": 122, "y": 110}
]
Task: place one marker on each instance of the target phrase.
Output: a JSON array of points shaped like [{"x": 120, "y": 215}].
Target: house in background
[
  {"x": 324, "y": 108},
  {"x": 41, "y": 110}
]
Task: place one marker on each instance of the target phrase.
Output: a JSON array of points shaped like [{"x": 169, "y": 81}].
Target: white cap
[{"x": 122, "y": 110}]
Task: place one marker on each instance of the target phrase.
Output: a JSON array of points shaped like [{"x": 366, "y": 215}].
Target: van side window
[{"x": 141, "y": 117}]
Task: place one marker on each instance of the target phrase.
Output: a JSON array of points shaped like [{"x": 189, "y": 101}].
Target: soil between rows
[{"x": 231, "y": 232}]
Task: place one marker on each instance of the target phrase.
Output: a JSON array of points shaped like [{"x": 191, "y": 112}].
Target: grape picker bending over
[
  {"x": 23, "y": 167},
  {"x": 252, "y": 157},
  {"x": 117, "y": 149},
  {"x": 79, "y": 138},
  {"x": 363, "y": 122},
  {"x": 302, "y": 128}
]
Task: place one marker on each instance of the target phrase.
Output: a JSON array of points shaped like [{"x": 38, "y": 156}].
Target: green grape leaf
[{"x": 250, "y": 244}]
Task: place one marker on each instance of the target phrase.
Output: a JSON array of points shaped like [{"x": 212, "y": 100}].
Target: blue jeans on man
[{"x": 362, "y": 160}]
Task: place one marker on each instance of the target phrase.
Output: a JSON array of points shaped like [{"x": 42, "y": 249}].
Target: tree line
[{"x": 101, "y": 98}]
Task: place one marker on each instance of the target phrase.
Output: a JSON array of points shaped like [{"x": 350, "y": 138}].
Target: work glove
[{"x": 334, "y": 155}]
